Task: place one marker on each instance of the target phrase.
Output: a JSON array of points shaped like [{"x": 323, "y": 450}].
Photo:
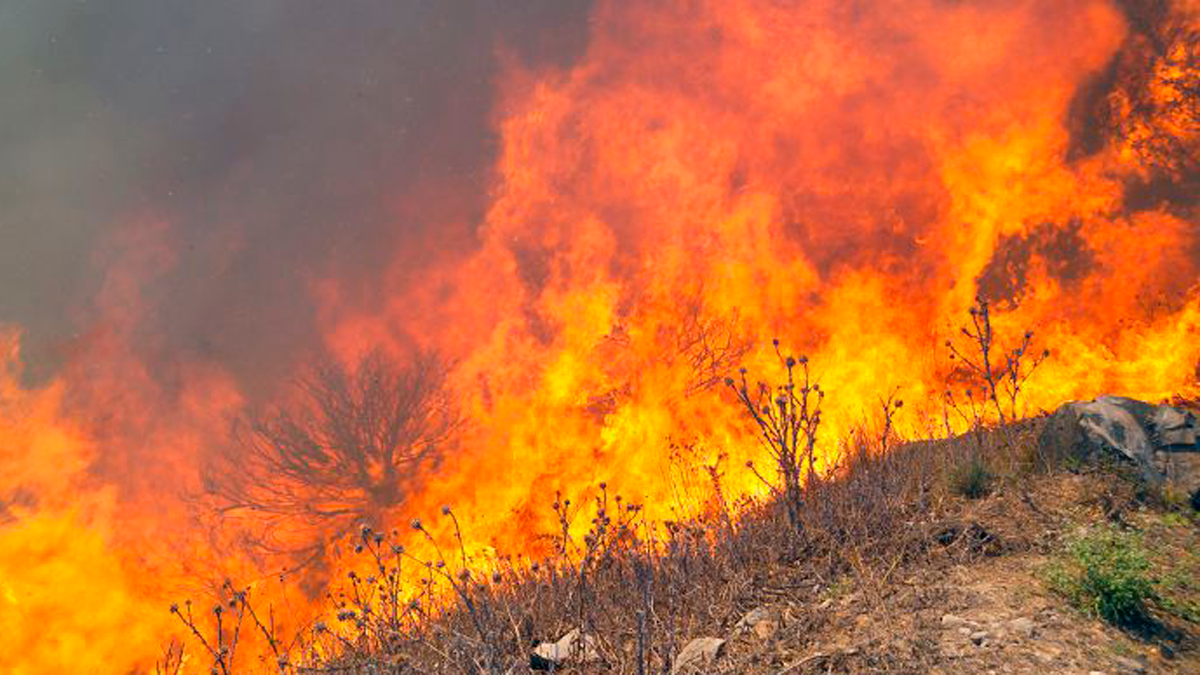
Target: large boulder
[{"x": 1161, "y": 441}]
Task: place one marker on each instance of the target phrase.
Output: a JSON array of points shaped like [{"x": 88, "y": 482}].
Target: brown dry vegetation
[
  {"x": 945, "y": 555},
  {"x": 888, "y": 569}
]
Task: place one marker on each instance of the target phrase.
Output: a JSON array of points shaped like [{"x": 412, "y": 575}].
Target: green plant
[
  {"x": 1106, "y": 572},
  {"x": 973, "y": 478},
  {"x": 1175, "y": 519}
]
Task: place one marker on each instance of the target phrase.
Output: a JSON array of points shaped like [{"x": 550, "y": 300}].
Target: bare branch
[{"x": 352, "y": 446}]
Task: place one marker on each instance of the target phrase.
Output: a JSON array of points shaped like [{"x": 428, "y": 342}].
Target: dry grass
[
  {"x": 850, "y": 558},
  {"x": 641, "y": 592}
]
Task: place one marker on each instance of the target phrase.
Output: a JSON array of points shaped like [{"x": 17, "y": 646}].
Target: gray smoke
[{"x": 281, "y": 139}]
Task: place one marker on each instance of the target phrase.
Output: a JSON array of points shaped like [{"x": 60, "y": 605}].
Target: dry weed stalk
[
  {"x": 1000, "y": 372},
  {"x": 635, "y": 591},
  {"x": 788, "y": 417}
]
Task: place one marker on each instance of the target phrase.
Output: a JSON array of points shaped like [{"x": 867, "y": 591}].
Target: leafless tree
[
  {"x": 351, "y": 446},
  {"x": 710, "y": 344}
]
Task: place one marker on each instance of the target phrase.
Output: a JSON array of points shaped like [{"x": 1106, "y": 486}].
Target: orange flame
[{"x": 707, "y": 176}]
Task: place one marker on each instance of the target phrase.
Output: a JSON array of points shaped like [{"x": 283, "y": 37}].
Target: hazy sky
[{"x": 276, "y": 137}]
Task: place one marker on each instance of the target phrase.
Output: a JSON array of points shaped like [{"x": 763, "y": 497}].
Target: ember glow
[{"x": 704, "y": 177}]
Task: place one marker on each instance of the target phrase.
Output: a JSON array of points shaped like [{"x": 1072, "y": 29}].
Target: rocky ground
[
  {"x": 938, "y": 556},
  {"x": 988, "y": 612}
]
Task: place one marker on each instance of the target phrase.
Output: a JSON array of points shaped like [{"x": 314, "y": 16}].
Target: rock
[
  {"x": 1021, "y": 626},
  {"x": 1129, "y": 666},
  {"x": 1174, "y": 427},
  {"x": 969, "y": 534},
  {"x": 699, "y": 652},
  {"x": 761, "y": 621},
  {"x": 765, "y": 630},
  {"x": 953, "y": 621},
  {"x": 979, "y": 636},
  {"x": 1044, "y": 657},
  {"x": 574, "y": 647},
  {"x": 754, "y": 616},
  {"x": 1162, "y": 441}
]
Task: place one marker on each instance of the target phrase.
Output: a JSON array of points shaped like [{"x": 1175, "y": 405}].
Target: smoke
[{"x": 278, "y": 142}]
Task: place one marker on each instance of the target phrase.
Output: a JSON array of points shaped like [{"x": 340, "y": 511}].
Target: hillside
[{"x": 986, "y": 553}]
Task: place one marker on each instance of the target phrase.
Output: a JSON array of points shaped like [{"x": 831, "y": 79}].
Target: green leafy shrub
[{"x": 1106, "y": 572}]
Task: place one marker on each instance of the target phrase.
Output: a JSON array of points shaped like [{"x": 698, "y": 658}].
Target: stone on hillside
[
  {"x": 1022, "y": 626},
  {"x": 1128, "y": 666},
  {"x": 954, "y": 621},
  {"x": 699, "y": 652},
  {"x": 574, "y": 647},
  {"x": 765, "y": 630},
  {"x": 761, "y": 621},
  {"x": 1162, "y": 441}
]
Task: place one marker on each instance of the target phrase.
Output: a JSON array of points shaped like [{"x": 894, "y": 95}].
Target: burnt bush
[{"x": 352, "y": 444}]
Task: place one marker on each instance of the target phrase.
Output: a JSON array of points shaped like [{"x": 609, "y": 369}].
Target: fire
[
  {"x": 707, "y": 176},
  {"x": 66, "y": 594},
  {"x": 845, "y": 180}
]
